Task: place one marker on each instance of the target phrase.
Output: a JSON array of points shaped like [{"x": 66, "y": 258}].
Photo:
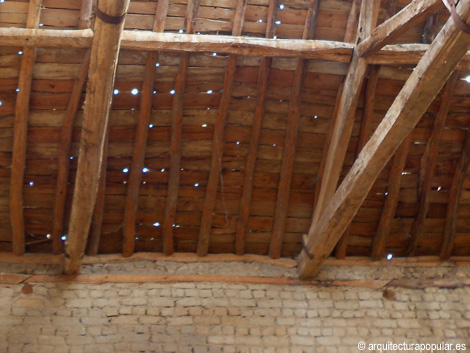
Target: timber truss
[{"x": 364, "y": 51}]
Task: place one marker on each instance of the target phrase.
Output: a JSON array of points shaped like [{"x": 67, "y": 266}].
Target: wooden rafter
[
  {"x": 428, "y": 165},
  {"x": 18, "y": 162},
  {"x": 104, "y": 53},
  {"x": 135, "y": 173},
  {"x": 344, "y": 121},
  {"x": 64, "y": 155},
  {"x": 175, "y": 140},
  {"x": 424, "y": 83},
  {"x": 387, "y": 32},
  {"x": 263, "y": 77},
  {"x": 63, "y": 160},
  {"x": 454, "y": 200},
  {"x": 391, "y": 200},
  {"x": 368, "y": 112},
  {"x": 218, "y": 140},
  {"x": 288, "y": 152}
]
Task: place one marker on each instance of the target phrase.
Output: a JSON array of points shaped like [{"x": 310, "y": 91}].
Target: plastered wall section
[{"x": 222, "y": 317}]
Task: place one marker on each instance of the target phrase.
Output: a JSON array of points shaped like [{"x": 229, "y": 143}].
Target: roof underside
[{"x": 56, "y": 71}]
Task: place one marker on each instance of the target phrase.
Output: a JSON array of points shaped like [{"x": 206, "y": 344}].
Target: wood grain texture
[
  {"x": 290, "y": 142},
  {"x": 387, "y": 32},
  {"x": 393, "y": 192},
  {"x": 18, "y": 162},
  {"x": 421, "y": 88},
  {"x": 104, "y": 52},
  {"x": 428, "y": 165},
  {"x": 453, "y": 204}
]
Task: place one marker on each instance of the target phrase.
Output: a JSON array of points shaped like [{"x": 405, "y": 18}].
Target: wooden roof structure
[{"x": 280, "y": 127}]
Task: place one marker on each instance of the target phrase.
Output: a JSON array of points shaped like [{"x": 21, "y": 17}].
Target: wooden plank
[
  {"x": 387, "y": 32},
  {"x": 369, "y": 99},
  {"x": 428, "y": 165},
  {"x": 455, "y": 196},
  {"x": 391, "y": 200},
  {"x": 290, "y": 142},
  {"x": 137, "y": 165},
  {"x": 262, "y": 86},
  {"x": 419, "y": 91},
  {"x": 104, "y": 53},
  {"x": 64, "y": 155},
  {"x": 18, "y": 162},
  {"x": 342, "y": 129}
]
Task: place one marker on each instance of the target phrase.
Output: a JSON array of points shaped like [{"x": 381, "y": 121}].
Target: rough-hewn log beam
[
  {"x": 290, "y": 141},
  {"x": 387, "y": 32},
  {"x": 428, "y": 165},
  {"x": 391, "y": 200},
  {"x": 454, "y": 200},
  {"x": 104, "y": 53},
  {"x": 20, "y": 129},
  {"x": 346, "y": 113},
  {"x": 420, "y": 89},
  {"x": 135, "y": 174},
  {"x": 395, "y": 55}
]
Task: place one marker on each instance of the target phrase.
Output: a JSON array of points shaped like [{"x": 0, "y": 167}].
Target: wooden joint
[{"x": 114, "y": 20}]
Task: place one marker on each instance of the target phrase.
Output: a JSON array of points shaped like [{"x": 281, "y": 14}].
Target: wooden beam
[
  {"x": 369, "y": 102},
  {"x": 175, "y": 157},
  {"x": 419, "y": 91},
  {"x": 350, "y": 35},
  {"x": 290, "y": 141},
  {"x": 262, "y": 87},
  {"x": 94, "y": 236},
  {"x": 20, "y": 129},
  {"x": 216, "y": 160},
  {"x": 394, "y": 55},
  {"x": 104, "y": 54},
  {"x": 454, "y": 200},
  {"x": 218, "y": 141},
  {"x": 391, "y": 200},
  {"x": 342, "y": 129},
  {"x": 138, "y": 158},
  {"x": 387, "y": 32},
  {"x": 66, "y": 139},
  {"x": 85, "y": 13},
  {"x": 428, "y": 165},
  {"x": 64, "y": 157}
]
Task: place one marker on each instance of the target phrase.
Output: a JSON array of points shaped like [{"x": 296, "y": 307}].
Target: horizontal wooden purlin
[
  {"x": 395, "y": 55},
  {"x": 247, "y": 46}
]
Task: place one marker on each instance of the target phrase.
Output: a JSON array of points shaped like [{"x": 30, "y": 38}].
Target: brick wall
[{"x": 222, "y": 317}]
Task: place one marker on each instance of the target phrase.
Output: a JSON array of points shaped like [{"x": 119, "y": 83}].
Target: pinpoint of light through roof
[
  {"x": 135, "y": 91},
  {"x": 389, "y": 257}
]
